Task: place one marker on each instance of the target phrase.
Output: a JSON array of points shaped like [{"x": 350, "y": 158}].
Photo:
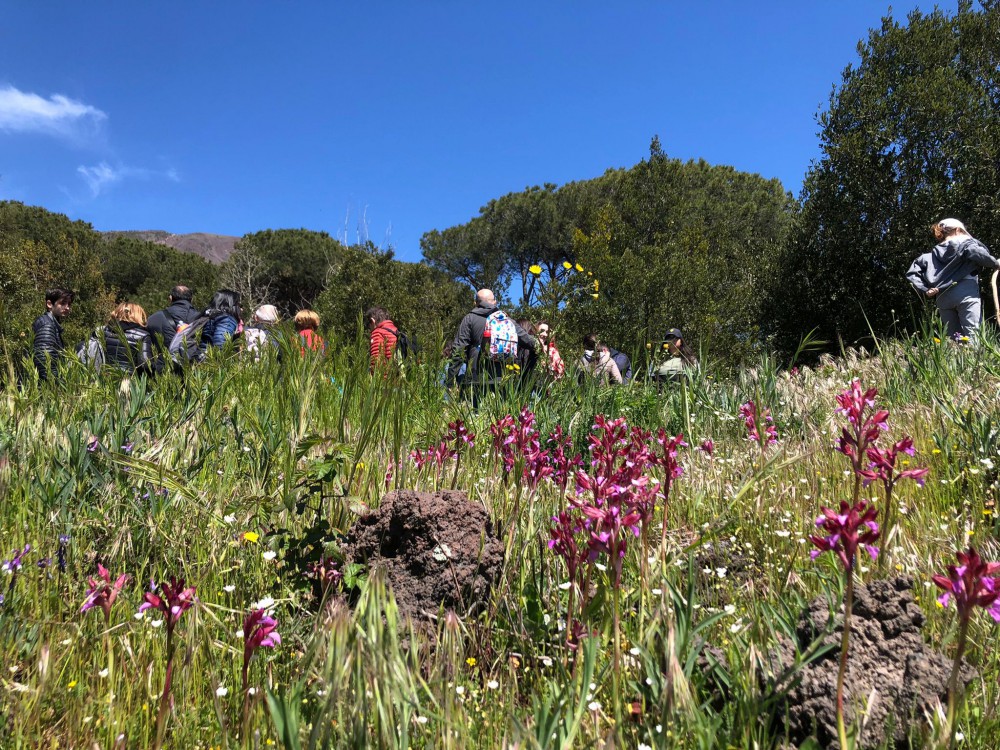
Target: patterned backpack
[{"x": 502, "y": 337}]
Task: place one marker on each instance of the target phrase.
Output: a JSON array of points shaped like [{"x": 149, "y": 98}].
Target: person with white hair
[
  {"x": 258, "y": 334},
  {"x": 947, "y": 274}
]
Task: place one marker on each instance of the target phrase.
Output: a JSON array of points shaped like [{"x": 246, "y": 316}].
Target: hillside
[{"x": 215, "y": 248}]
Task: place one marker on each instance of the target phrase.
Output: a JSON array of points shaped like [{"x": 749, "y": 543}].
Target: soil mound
[
  {"x": 889, "y": 665},
  {"x": 434, "y": 547}
]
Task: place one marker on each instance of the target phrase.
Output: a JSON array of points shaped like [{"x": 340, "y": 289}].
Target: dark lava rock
[
  {"x": 434, "y": 547},
  {"x": 888, "y": 664}
]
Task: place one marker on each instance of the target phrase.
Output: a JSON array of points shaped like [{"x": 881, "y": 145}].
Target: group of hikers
[
  {"x": 488, "y": 346},
  {"x": 135, "y": 343}
]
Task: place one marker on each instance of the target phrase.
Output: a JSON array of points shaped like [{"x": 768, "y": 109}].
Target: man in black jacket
[
  {"x": 483, "y": 374},
  {"x": 163, "y": 325},
  {"x": 47, "y": 330}
]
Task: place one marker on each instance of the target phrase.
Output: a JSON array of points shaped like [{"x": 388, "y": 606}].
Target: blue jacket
[
  {"x": 219, "y": 330},
  {"x": 949, "y": 263}
]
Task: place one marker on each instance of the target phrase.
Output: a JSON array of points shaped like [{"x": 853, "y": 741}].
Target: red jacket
[
  {"x": 311, "y": 340},
  {"x": 383, "y": 342}
]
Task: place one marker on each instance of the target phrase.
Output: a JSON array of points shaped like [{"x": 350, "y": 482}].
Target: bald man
[{"x": 483, "y": 374}]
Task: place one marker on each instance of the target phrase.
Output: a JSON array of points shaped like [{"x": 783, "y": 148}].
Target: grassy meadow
[{"x": 241, "y": 477}]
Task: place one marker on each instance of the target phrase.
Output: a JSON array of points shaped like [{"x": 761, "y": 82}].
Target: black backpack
[
  {"x": 405, "y": 345},
  {"x": 186, "y": 344}
]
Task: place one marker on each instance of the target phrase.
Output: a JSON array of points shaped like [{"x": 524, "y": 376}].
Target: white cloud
[
  {"x": 22, "y": 112},
  {"x": 103, "y": 175},
  {"x": 100, "y": 177}
]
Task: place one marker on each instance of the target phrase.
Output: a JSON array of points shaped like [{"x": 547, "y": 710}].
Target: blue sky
[{"x": 387, "y": 119}]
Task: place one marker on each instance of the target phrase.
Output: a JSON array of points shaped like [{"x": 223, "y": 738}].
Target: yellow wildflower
[
  {"x": 471, "y": 661},
  {"x": 936, "y": 451},
  {"x": 535, "y": 269},
  {"x": 567, "y": 265},
  {"x": 251, "y": 536},
  {"x": 72, "y": 684},
  {"x": 579, "y": 268},
  {"x": 595, "y": 296}
]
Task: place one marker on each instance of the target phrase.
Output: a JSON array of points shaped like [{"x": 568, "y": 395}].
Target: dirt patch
[
  {"x": 434, "y": 547},
  {"x": 888, "y": 662}
]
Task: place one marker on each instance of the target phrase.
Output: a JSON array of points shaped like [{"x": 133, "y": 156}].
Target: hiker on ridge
[
  {"x": 947, "y": 274},
  {"x": 487, "y": 341}
]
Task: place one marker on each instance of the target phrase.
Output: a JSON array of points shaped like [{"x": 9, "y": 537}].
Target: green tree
[
  {"x": 911, "y": 135},
  {"x": 422, "y": 301},
  {"x": 39, "y": 250},
  {"x": 293, "y": 264}
]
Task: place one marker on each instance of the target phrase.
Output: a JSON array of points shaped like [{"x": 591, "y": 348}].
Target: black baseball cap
[{"x": 671, "y": 334}]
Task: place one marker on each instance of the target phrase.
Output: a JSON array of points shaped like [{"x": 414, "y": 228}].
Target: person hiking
[
  {"x": 306, "y": 325},
  {"x": 622, "y": 362},
  {"x": 382, "y": 336},
  {"x": 48, "y": 347},
  {"x": 128, "y": 344},
  {"x": 224, "y": 317},
  {"x": 163, "y": 324},
  {"x": 680, "y": 359},
  {"x": 259, "y": 335},
  {"x": 554, "y": 364},
  {"x": 487, "y": 341},
  {"x": 947, "y": 274},
  {"x": 599, "y": 364}
]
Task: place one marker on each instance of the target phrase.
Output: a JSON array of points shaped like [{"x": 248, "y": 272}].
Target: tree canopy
[{"x": 626, "y": 255}]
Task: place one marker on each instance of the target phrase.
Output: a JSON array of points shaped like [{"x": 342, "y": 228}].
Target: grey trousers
[{"x": 961, "y": 309}]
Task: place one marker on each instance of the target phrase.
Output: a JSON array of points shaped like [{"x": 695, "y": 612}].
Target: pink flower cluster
[
  {"x": 517, "y": 439},
  {"x": 866, "y": 423},
  {"x": 756, "y": 420},
  {"x": 853, "y": 527},
  {"x": 971, "y": 584},
  {"x": 883, "y": 465},
  {"x": 102, "y": 593},
  {"x": 174, "y": 602},
  {"x": 457, "y": 438}
]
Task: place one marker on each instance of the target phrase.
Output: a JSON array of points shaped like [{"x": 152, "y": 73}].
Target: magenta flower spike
[
  {"x": 174, "y": 602},
  {"x": 707, "y": 447},
  {"x": 971, "y": 584},
  {"x": 855, "y": 405},
  {"x": 847, "y": 530},
  {"x": 102, "y": 593},
  {"x": 460, "y": 435},
  {"x": 757, "y": 421},
  {"x": 260, "y": 630},
  {"x": 883, "y": 465}
]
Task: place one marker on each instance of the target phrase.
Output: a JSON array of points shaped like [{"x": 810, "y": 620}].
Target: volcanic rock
[{"x": 435, "y": 548}]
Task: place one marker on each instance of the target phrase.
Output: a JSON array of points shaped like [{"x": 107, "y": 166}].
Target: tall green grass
[{"x": 292, "y": 451}]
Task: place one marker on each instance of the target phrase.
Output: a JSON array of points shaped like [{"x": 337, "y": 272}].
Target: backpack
[
  {"x": 92, "y": 353},
  {"x": 624, "y": 364},
  {"x": 405, "y": 346},
  {"x": 502, "y": 336},
  {"x": 186, "y": 343},
  {"x": 257, "y": 339}
]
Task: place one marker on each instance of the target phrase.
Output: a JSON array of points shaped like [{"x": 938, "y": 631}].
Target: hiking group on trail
[{"x": 489, "y": 348}]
